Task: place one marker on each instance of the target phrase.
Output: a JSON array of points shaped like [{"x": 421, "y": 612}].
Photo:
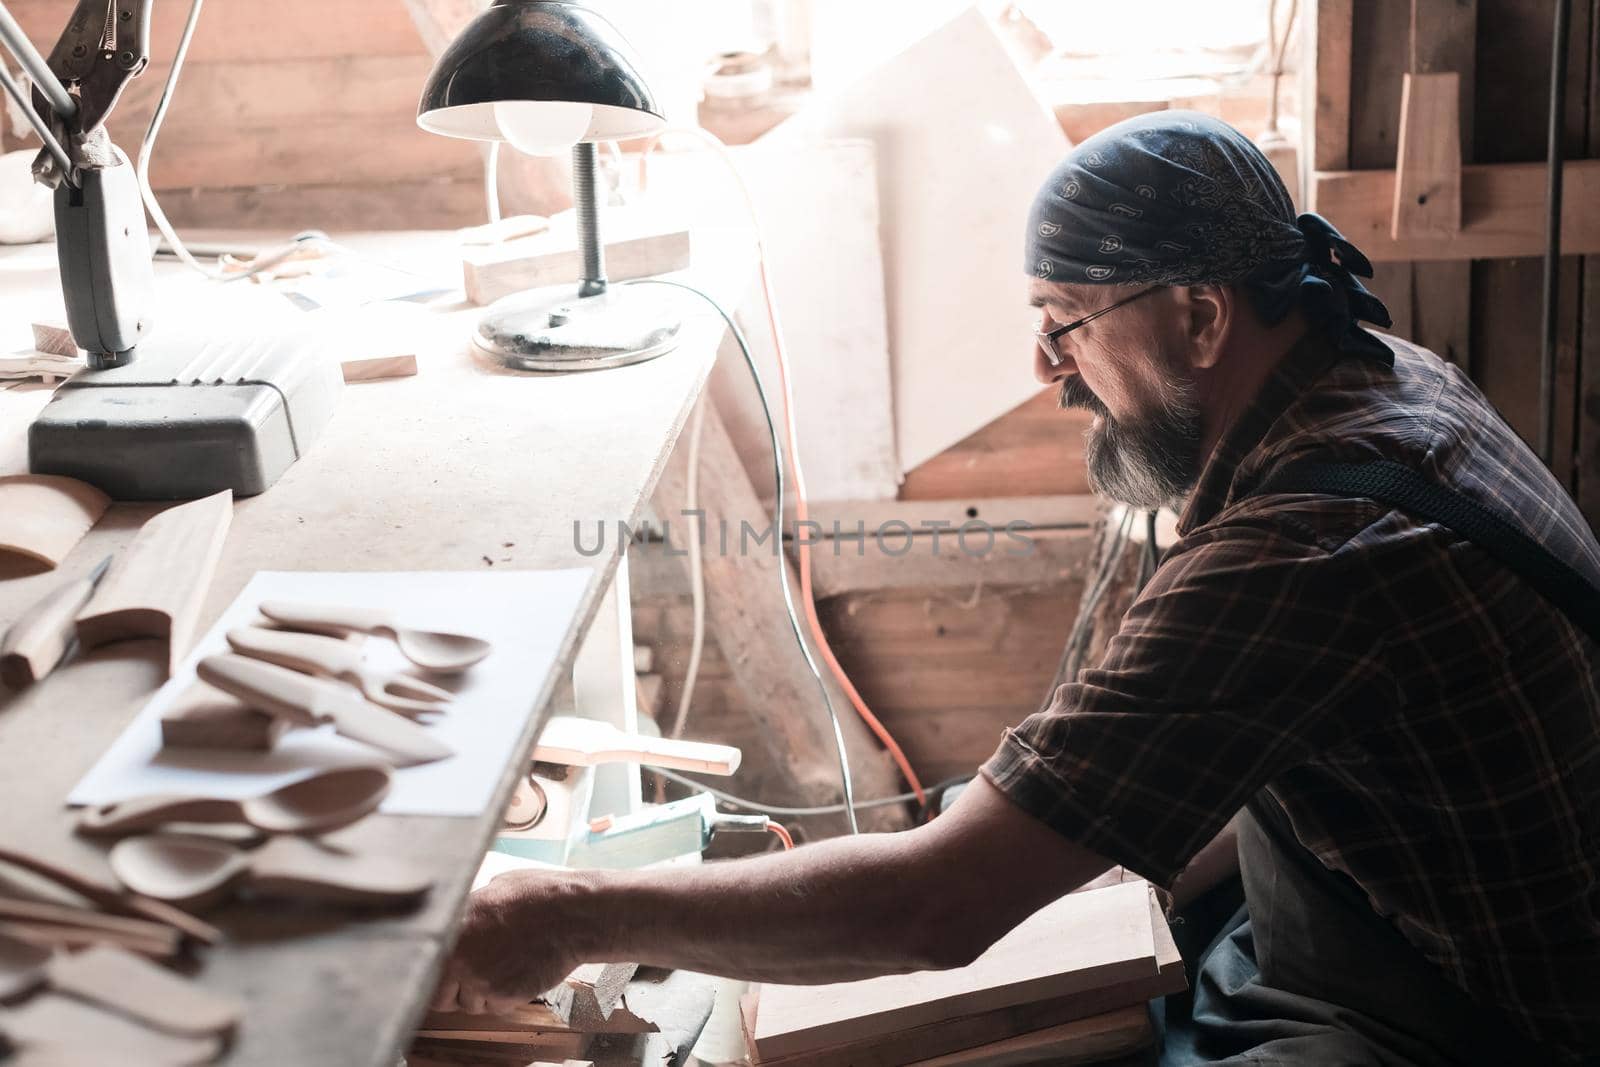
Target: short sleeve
[{"x": 1247, "y": 653}]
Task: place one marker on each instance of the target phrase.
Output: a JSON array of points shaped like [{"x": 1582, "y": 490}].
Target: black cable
[
  {"x": 1552, "y": 247},
  {"x": 783, "y": 579}
]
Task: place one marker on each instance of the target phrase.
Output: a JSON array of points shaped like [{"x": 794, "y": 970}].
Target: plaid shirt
[{"x": 1429, "y": 722}]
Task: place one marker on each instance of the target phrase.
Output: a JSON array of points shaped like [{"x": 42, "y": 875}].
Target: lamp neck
[{"x": 590, "y": 247}]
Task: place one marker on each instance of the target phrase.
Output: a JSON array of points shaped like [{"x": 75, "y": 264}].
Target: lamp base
[{"x": 557, "y": 330}]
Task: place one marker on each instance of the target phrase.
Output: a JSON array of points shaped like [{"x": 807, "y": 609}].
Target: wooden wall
[
  {"x": 1486, "y": 314},
  {"x": 289, "y": 115}
]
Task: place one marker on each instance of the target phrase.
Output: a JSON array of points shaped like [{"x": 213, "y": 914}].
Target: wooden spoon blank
[
  {"x": 43, "y": 515},
  {"x": 434, "y": 650},
  {"x": 317, "y": 803},
  {"x": 58, "y": 1030},
  {"x": 197, "y": 871}
]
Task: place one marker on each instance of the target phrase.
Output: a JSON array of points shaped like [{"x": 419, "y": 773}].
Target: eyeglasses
[{"x": 1047, "y": 338}]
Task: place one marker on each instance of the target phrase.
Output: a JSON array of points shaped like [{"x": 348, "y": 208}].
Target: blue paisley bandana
[{"x": 1181, "y": 198}]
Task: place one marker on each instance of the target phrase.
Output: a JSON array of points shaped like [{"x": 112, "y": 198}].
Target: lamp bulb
[{"x": 542, "y": 127}]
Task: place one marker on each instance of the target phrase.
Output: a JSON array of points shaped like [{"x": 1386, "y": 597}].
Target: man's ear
[{"x": 1212, "y": 309}]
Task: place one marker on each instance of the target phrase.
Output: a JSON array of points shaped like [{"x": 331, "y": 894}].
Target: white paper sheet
[{"x": 524, "y": 614}]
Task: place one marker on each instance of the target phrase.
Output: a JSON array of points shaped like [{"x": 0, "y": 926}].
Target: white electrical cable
[
  {"x": 142, "y": 167},
  {"x": 846, "y": 785},
  {"x": 697, "y": 571},
  {"x": 773, "y": 809}
]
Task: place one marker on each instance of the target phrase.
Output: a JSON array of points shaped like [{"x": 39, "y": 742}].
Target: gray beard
[{"x": 1147, "y": 463}]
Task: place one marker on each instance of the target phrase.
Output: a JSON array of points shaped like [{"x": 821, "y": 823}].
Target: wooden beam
[
  {"x": 1444, "y": 38},
  {"x": 1427, "y": 182},
  {"x": 1327, "y": 27},
  {"x": 1502, "y": 212}
]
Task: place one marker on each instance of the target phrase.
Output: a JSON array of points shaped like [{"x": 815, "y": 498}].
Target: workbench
[{"x": 463, "y": 467}]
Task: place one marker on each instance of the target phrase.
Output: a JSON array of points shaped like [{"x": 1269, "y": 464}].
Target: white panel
[{"x": 963, "y": 144}]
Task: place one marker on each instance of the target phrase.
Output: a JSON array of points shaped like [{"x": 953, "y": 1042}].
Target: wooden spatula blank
[
  {"x": 585, "y": 742},
  {"x": 144, "y": 991},
  {"x": 42, "y": 516},
  {"x": 156, "y": 587},
  {"x": 53, "y": 1029}
]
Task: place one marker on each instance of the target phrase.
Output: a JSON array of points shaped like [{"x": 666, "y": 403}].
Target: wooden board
[
  {"x": 1035, "y": 449},
  {"x": 1079, "y": 943},
  {"x": 969, "y": 1031},
  {"x": 1326, "y": 27},
  {"x": 203, "y": 717},
  {"x": 1502, "y": 212},
  {"x": 155, "y": 588},
  {"x": 1092, "y": 1040},
  {"x": 378, "y": 368},
  {"x": 816, "y": 205},
  {"x": 1427, "y": 182},
  {"x": 952, "y": 251},
  {"x": 638, "y": 245},
  {"x": 42, "y": 516}
]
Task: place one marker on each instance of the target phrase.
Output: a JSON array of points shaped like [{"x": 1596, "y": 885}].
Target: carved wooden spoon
[
  {"x": 315, "y": 804},
  {"x": 434, "y": 650},
  {"x": 199, "y": 871}
]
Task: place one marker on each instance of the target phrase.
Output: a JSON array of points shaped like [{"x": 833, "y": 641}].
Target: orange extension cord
[
  {"x": 783, "y": 835},
  {"x": 791, "y": 444}
]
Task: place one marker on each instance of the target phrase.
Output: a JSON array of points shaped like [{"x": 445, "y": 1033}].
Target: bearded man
[{"x": 1365, "y": 678}]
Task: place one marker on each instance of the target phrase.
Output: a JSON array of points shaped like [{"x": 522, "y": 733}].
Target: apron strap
[{"x": 1399, "y": 486}]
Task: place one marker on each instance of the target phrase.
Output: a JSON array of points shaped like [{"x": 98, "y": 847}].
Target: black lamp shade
[{"x": 538, "y": 50}]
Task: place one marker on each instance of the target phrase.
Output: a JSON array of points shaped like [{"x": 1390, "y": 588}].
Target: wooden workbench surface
[{"x": 459, "y": 468}]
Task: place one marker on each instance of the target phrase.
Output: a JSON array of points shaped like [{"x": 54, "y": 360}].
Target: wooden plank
[
  {"x": 1327, "y": 26},
  {"x": 378, "y": 368},
  {"x": 264, "y": 92},
  {"x": 997, "y": 1036},
  {"x": 1427, "y": 181},
  {"x": 1444, "y": 38},
  {"x": 1035, "y": 449},
  {"x": 638, "y": 244},
  {"x": 1092, "y": 1040},
  {"x": 157, "y": 586},
  {"x": 309, "y": 153},
  {"x": 442, "y": 203},
  {"x": 1502, "y": 212},
  {"x": 943, "y": 323},
  {"x": 816, "y": 204},
  {"x": 1079, "y": 943},
  {"x": 238, "y": 30}
]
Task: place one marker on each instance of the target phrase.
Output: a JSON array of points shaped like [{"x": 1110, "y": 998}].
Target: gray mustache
[{"x": 1075, "y": 393}]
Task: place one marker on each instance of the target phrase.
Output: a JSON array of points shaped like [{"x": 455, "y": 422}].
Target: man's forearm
[
  {"x": 847, "y": 908},
  {"x": 924, "y": 899}
]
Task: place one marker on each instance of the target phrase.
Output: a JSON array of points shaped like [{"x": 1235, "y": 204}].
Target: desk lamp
[
  {"x": 165, "y": 416},
  {"x": 544, "y": 75}
]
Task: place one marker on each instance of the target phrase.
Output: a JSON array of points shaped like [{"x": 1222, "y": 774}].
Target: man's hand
[{"x": 512, "y": 946}]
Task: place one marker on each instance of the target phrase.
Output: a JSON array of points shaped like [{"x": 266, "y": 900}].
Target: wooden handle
[
  {"x": 115, "y": 900},
  {"x": 312, "y": 653},
  {"x": 585, "y": 742},
  {"x": 273, "y": 689},
  {"x": 144, "y": 991},
  {"x": 37, "y": 641},
  {"x": 295, "y": 867},
  {"x": 326, "y": 618},
  {"x": 141, "y": 813},
  {"x": 687, "y": 755}
]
